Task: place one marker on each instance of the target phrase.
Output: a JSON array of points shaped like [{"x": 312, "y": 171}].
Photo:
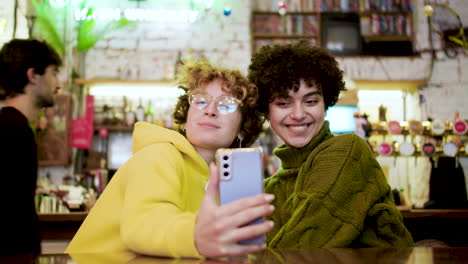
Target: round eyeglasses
[{"x": 224, "y": 103}]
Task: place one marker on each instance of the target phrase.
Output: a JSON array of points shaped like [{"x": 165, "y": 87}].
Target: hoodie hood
[{"x": 146, "y": 134}]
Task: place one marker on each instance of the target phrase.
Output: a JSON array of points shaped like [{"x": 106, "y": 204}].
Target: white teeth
[{"x": 298, "y": 128}]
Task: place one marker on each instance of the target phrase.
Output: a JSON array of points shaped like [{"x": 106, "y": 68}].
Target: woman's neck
[{"x": 207, "y": 154}]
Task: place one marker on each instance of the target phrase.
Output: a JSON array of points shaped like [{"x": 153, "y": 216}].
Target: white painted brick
[
  {"x": 464, "y": 69},
  {"x": 445, "y": 71},
  {"x": 128, "y": 44}
]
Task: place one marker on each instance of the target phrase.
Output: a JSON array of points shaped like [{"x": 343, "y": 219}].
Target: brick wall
[
  {"x": 6, "y": 12},
  {"x": 147, "y": 51}
]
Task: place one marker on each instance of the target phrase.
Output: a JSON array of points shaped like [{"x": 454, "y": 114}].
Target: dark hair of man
[
  {"x": 277, "y": 69},
  {"x": 17, "y": 56}
]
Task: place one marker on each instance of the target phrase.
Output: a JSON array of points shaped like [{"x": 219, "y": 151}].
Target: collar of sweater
[{"x": 292, "y": 157}]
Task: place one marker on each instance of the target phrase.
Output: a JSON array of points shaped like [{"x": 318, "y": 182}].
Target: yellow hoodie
[{"x": 150, "y": 205}]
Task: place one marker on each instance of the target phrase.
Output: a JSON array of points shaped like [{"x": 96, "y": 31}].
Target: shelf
[
  {"x": 60, "y": 226},
  {"x": 121, "y": 128},
  {"x": 98, "y": 81},
  {"x": 284, "y": 36},
  {"x": 368, "y": 13},
  {"x": 384, "y": 84},
  {"x": 362, "y": 13},
  {"x": 62, "y": 217},
  {"x": 385, "y": 38},
  {"x": 115, "y": 128},
  {"x": 287, "y": 13},
  {"x": 436, "y": 213}
]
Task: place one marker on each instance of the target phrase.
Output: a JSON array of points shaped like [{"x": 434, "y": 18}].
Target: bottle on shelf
[
  {"x": 102, "y": 176},
  {"x": 179, "y": 63},
  {"x": 149, "y": 114},
  {"x": 168, "y": 122},
  {"x": 140, "y": 112},
  {"x": 129, "y": 114}
]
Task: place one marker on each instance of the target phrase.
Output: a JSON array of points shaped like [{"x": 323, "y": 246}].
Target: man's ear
[{"x": 32, "y": 76}]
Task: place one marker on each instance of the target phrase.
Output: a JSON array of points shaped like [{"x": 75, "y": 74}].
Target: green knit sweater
[{"x": 333, "y": 193}]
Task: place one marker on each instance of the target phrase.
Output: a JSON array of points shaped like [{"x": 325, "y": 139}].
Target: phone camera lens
[
  {"x": 226, "y": 166},
  {"x": 226, "y": 174},
  {"x": 225, "y": 158}
]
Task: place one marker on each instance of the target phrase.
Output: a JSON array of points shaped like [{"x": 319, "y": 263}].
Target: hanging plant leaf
[
  {"x": 89, "y": 35},
  {"x": 47, "y": 26}
]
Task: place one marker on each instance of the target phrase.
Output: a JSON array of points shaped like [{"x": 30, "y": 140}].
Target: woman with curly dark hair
[
  {"x": 156, "y": 203},
  {"x": 330, "y": 191}
]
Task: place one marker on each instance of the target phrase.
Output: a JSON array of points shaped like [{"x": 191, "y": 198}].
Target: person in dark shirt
[{"x": 28, "y": 80}]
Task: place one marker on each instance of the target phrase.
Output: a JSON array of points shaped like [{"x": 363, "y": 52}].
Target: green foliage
[
  {"x": 47, "y": 25},
  {"x": 88, "y": 31},
  {"x": 89, "y": 35}
]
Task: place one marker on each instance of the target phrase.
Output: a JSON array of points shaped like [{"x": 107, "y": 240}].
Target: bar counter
[
  {"x": 281, "y": 256},
  {"x": 448, "y": 225}
]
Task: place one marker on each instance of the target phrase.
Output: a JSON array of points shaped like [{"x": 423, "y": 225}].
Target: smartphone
[{"x": 241, "y": 176}]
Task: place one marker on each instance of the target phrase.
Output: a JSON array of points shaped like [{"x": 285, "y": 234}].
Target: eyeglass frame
[{"x": 211, "y": 98}]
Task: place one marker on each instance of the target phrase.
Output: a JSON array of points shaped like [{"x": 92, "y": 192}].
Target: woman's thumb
[{"x": 212, "y": 190}]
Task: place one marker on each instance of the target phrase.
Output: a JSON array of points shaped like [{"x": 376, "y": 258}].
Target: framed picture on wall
[{"x": 53, "y": 133}]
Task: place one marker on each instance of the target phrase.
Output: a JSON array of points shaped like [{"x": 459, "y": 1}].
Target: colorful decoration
[
  {"x": 282, "y": 4},
  {"x": 227, "y": 11},
  {"x": 428, "y": 10},
  {"x": 103, "y": 132},
  {"x": 282, "y": 8}
]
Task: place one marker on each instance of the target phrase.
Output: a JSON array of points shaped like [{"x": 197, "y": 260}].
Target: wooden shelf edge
[
  {"x": 368, "y": 81},
  {"x": 45, "y": 163},
  {"x": 96, "y": 81},
  {"x": 376, "y": 38},
  {"x": 284, "y": 36},
  {"x": 258, "y": 12},
  {"x": 62, "y": 217},
  {"x": 115, "y": 128},
  {"x": 363, "y": 13},
  {"x": 376, "y": 12}
]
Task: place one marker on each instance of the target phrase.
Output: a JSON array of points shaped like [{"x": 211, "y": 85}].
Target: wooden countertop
[
  {"x": 407, "y": 213},
  {"x": 435, "y": 213},
  {"x": 277, "y": 256}
]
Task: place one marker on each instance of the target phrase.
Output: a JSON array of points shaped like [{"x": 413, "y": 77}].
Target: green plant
[
  {"x": 47, "y": 25},
  {"x": 89, "y": 34}
]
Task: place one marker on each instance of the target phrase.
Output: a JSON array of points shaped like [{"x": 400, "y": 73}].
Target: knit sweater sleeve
[
  {"x": 340, "y": 199},
  {"x": 384, "y": 227}
]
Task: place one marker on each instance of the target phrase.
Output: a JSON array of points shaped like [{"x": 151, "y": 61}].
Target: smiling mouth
[{"x": 298, "y": 128}]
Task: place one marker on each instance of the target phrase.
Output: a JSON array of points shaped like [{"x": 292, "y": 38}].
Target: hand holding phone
[
  {"x": 241, "y": 176},
  {"x": 219, "y": 228}
]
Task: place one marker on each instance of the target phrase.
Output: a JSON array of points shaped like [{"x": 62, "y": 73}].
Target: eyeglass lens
[{"x": 225, "y": 104}]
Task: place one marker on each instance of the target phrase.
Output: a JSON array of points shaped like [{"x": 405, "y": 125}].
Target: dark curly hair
[
  {"x": 17, "y": 56},
  {"x": 198, "y": 74},
  {"x": 277, "y": 69}
]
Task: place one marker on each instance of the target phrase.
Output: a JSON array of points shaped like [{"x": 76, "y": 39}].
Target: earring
[{"x": 239, "y": 138}]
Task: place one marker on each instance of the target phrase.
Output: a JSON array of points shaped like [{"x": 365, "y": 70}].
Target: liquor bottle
[
  {"x": 178, "y": 64},
  {"x": 140, "y": 112},
  {"x": 102, "y": 176},
  {"x": 129, "y": 114},
  {"x": 149, "y": 115}
]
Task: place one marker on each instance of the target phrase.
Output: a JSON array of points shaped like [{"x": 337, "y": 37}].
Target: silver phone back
[{"x": 241, "y": 176}]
